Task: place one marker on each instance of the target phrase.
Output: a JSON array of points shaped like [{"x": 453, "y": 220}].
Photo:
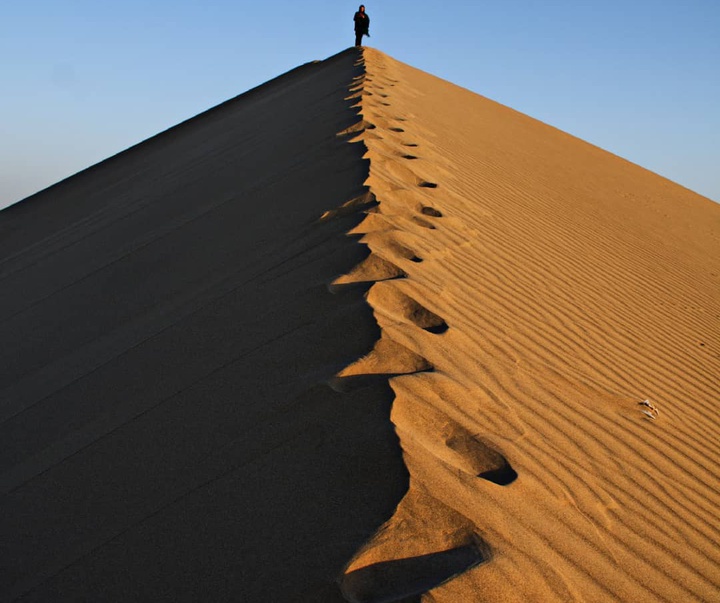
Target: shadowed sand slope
[
  {"x": 562, "y": 308},
  {"x": 167, "y": 332}
]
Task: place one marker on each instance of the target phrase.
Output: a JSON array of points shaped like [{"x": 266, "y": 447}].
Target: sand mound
[{"x": 207, "y": 336}]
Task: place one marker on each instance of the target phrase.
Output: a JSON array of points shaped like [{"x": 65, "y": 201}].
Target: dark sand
[{"x": 167, "y": 333}]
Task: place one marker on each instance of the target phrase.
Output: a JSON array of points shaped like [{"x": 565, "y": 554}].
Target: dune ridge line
[{"x": 373, "y": 575}]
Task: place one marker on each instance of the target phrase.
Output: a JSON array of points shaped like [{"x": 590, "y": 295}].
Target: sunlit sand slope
[
  {"x": 166, "y": 433},
  {"x": 556, "y": 310}
]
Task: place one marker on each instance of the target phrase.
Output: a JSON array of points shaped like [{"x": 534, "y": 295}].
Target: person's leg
[{"x": 358, "y": 38}]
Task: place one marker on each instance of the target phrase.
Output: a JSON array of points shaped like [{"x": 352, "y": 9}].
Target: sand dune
[{"x": 207, "y": 337}]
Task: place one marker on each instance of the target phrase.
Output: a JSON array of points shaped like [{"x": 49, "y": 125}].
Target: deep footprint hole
[
  {"x": 423, "y": 223},
  {"x": 426, "y": 184},
  {"x": 420, "y": 316},
  {"x": 431, "y": 211},
  {"x": 396, "y": 130},
  {"x": 409, "y": 157},
  {"x": 503, "y": 476},
  {"x": 438, "y": 329}
]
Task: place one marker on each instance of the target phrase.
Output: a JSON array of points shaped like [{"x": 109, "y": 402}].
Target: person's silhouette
[{"x": 362, "y": 25}]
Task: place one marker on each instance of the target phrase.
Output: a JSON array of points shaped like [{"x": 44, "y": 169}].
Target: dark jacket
[{"x": 362, "y": 23}]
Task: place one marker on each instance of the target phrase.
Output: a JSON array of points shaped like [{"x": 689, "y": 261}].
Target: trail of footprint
[{"x": 385, "y": 578}]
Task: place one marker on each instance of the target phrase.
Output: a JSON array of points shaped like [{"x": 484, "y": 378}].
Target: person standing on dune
[{"x": 362, "y": 25}]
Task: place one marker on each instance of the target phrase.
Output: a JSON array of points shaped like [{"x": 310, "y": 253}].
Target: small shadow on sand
[
  {"x": 406, "y": 579},
  {"x": 351, "y": 383},
  {"x": 431, "y": 211},
  {"x": 504, "y": 476}
]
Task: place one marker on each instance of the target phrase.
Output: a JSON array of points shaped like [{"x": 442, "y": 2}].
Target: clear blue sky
[{"x": 83, "y": 79}]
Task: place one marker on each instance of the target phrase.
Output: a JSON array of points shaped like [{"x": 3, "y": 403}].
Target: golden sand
[{"x": 570, "y": 414}]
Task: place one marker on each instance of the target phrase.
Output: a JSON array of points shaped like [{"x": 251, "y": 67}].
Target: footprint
[
  {"x": 431, "y": 211},
  {"x": 426, "y": 184},
  {"x": 409, "y": 157},
  {"x": 453, "y": 443},
  {"x": 502, "y": 476},
  {"x": 396, "y": 129},
  {"x": 479, "y": 457},
  {"x": 399, "y": 307},
  {"x": 410, "y": 144},
  {"x": 423, "y": 223}
]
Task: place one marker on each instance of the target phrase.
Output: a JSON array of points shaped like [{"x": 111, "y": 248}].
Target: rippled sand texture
[{"x": 551, "y": 313}]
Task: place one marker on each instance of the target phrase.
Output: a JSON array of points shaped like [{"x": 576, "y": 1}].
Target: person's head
[{"x": 362, "y": 8}]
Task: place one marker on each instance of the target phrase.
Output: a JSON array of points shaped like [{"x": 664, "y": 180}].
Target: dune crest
[{"x": 549, "y": 323}]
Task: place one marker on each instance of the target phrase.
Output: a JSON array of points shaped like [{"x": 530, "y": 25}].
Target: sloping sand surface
[
  {"x": 563, "y": 308},
  {"x": 167, "y": 328},
  {"x": 207, "y": 337}
]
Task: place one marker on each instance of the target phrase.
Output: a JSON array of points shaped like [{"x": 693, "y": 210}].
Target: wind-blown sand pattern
[
  {"x": 564, "y": 415},
  {"x": 199, "y": 334}
]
